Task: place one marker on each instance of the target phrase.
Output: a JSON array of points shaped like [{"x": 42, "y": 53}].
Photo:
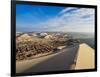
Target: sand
[
  {"x": 24, "y": 65},
  {"x": 84, "y": 60},
  {"x": 85, "y": 57}
]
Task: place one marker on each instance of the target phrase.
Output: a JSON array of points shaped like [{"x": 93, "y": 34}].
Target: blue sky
[{"x": 52, "y": 18}]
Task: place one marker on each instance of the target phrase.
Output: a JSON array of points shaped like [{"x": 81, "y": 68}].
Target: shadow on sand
[{"x": 61, "y": 61}]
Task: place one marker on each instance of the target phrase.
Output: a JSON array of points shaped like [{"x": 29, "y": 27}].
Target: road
[{"x": 58, "y": 62}]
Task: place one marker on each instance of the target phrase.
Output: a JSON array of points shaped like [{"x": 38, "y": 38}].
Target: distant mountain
[{"x": 81, "y": 35}]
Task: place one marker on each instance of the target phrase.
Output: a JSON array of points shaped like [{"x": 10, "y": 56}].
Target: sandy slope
[
  {"x": 23, "y": 65},
  {"x": 85, "y": 57},
  {"x": 60, "y": 61},
  {"x": 57, "y": 61}
]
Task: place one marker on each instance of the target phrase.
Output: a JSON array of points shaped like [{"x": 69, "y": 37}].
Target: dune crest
[{"x": 85, "y": 57}]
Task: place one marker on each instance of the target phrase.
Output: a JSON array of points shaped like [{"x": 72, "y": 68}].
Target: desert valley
[{"x": 33, "y": 48}]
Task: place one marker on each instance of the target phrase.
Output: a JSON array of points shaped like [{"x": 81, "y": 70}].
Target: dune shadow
[{"x": 60, "y": 62}]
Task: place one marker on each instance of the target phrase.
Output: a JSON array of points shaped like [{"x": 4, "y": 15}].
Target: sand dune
[
  {"x": 61, "y": 60},
  {"x": 85, "y": 57},
  {"x": 51, "y": 62},
  {"x": 24, "y": 65}
]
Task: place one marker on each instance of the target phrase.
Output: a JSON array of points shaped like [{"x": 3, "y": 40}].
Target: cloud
[
  {"x": 68, "y": 10},
  {"x": 71, "y": 20}
]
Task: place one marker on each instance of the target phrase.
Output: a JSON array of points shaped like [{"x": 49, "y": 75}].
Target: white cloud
[
  {"x": 71, "y": 20},
  {"x": 67, "y": 9}
]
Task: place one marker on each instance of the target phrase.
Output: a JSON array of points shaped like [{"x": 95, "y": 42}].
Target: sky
[{"x": 53, "y": 18}]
